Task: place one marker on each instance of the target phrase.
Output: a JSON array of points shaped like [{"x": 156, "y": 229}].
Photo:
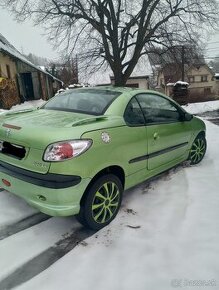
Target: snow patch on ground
[
  {"x": 28, "y": 105},
  {"x": 25, "y": 105},
  {"x": 198, "y": 108},
  {"x": 165, "y": 233},
  {"x": 27, "y": 244},
  {"x": 13, "y": 209}
]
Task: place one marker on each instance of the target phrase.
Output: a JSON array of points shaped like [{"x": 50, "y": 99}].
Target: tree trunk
[{"x": 120, "y": 81}]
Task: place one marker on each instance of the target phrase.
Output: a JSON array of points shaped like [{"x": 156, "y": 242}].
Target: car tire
[
  {"x": 198, "y": 150},
  {"x": 101, "y": 202}
]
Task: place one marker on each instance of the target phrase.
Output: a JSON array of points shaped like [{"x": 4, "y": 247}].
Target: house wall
[
  {"x": 6, "y": 60},
  {"x": 160, "y": 80},
  {"x": 202, "y": 83},
  {"x": 141, "y": 83},
  {"x": 200, "y": 79},
  {"x": 43, "y": 86},
  {"x": 169, "y": 91},
  {"x": 36, "y": 85},
  {"x": 27, "y": 82},
  {"x": 42, "y": 83},
  {"x": 56, "y": 85},
  {"x": 22, "y": 67},
  {"x": 161, "y": 86},
  {"x": 216, "y": 87}
]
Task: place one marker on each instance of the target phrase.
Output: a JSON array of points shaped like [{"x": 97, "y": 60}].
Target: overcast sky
[
  {"x": 29, "y": 39},
  {"x": 25, "y": 36}
]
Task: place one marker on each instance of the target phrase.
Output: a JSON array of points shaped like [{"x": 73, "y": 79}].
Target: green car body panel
[{"x": 136, "y": 152}]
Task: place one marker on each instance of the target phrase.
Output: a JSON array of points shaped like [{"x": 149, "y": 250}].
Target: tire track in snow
[
  {"x": 212, "y": 116},
  {"x": 43, "y": 261},
  {"x": 23, "y": 224},
  {"x": 214, "y": 121}
]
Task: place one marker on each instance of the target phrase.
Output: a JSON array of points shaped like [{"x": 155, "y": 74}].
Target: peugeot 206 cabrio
[{"x": 77, "y": 153}]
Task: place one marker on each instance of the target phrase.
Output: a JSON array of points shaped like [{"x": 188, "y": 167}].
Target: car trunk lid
[{"x": 25, "y": 135}]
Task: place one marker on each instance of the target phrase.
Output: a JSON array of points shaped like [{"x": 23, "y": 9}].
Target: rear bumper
[
  {"x": 64, "y": 201},
  {"x": 49, "y": 180}
]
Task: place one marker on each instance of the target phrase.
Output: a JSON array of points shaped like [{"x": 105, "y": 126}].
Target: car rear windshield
[{"x": 92, "y": 102}]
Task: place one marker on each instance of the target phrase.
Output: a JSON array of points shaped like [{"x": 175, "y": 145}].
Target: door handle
[{"x": 156, "y": 136}]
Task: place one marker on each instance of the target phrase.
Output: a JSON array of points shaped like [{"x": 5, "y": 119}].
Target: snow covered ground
[
  {"x": 165, "y": 236},
  {"x": 199, "y": 108},
  {"x": 25, "y": 105}
]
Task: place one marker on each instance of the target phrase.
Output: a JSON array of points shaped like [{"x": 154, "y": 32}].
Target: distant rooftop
[{"x": 142, "y": 70}]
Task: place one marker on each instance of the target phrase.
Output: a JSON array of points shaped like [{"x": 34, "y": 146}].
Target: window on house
[
  {"x": 8, "y": 71},
  {"x": 191, "y": 80},
  {"x": 204, "y": 79}
]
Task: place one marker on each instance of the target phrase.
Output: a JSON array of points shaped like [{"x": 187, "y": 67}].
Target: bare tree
[
  {"x": 175, "y": 61},
  {"x": 66, "y": 71},
  {"x": 37, "y": 60},
  {"x": 117, "y": 32},
  {"x": 214, "y": 64}
]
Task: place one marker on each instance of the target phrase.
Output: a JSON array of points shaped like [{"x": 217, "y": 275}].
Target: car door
[
  {"x": 135, "y": 139},
  {"x": 167, "y": 134}
]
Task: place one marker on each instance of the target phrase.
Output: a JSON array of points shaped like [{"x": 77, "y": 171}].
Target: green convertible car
[{"x": 77, "y": 153}]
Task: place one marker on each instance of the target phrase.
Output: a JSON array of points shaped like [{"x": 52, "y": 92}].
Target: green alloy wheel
[
  {"x": 198, "y": 150},
  {"x": 101, "y": 203}
]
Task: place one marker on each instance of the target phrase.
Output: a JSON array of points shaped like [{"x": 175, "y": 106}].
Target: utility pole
[
  {"x": 76, "y": 68},
  {"x": 183, "y": 63}
]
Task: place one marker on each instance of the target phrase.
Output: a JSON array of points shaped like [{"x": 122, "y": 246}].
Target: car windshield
[{"x": 86, "y": 101}]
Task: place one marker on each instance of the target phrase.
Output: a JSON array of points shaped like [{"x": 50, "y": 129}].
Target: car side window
[
  {"x": 133, "y": 114},
  {"x": 157, "y": 109}
]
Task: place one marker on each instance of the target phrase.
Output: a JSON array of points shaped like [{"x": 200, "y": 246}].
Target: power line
[
  {"x": 210, "y": 48},
  {"x": 214, "y": 57},
  {"x": 212, "y": 42}
]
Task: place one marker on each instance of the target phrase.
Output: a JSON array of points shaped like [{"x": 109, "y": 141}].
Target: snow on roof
[
  {"x": 42, "y": 67},
  {"x": 142, "y": 69},
  {"x": 181, "y": 83},
  {"x": 97, "y": 78},
  {"x": 216, "y": 75},
  {"x": 8, "y": 48},
  {"x": 198, "y": 108},
  {"x": 170, "y": 84},
  {"x": 73, "y": 86}
]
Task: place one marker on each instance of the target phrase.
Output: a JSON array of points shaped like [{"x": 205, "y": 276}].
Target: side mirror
[{"x": 187, "y": 117}]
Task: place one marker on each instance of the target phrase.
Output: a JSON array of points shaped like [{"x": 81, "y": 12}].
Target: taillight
[
  {"x": 61, "y": 151},
  {"x": 6, "y": 182}
]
